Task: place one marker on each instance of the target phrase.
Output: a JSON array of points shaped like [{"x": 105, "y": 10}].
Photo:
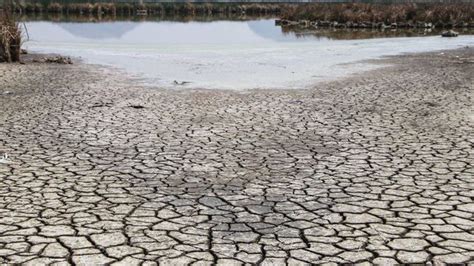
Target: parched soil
[{"x": 376, "y": 168}]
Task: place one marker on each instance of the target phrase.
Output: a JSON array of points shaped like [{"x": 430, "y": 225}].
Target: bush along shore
[
  {"x": 128, "y": 9},
  {"x": 379, "y": 16}
]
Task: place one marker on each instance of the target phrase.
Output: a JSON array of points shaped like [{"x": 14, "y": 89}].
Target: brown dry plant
[{"x": 10, "y": 38}]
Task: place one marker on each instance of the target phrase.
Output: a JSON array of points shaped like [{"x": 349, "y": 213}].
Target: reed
[
  {"x": 10, "y": 37},
  {"x": 61, "y": 17},
  {"x": 450, "y": 14},
  {"x": 456, "y": 15},
  {"x": 152, "y": 8}
]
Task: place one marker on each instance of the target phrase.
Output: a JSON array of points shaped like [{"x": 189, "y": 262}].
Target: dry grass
[
  {"x": 353, "y": 12},
  {"x": 359, "y": 12},
  {"x": 10, "y": 38}
]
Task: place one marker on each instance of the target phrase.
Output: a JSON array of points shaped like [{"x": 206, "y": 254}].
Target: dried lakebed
[{"x": 377, "y": 168}]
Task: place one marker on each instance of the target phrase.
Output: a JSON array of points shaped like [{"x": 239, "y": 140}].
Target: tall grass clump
[{"x": 10, "y": 37}]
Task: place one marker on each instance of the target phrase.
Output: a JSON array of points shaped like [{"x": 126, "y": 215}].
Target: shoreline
[
  {"x": 373, "y": 168},
  {"x": 352, "y": 15},
  {"x": 376, "y": 65},
  {"x": 285, "y": 77}
]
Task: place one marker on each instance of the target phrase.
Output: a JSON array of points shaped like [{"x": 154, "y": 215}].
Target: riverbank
[
  {"x": 372, "y": 168},
  {"x": 337, "y": 15},
  {"x": 134, "y": 9},
  {"x": 359, "y": 15}
]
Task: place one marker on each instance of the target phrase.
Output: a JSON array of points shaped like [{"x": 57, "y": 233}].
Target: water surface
[{"x": 225, "y": 54}]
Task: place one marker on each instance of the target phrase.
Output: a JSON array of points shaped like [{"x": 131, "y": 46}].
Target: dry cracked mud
[{"x": 377, "y": 168}]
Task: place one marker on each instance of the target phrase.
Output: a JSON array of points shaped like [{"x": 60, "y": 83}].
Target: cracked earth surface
[{"x": 375, "y": 169}]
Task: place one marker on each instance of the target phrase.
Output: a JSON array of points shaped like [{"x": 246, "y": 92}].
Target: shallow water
[{"x": 222, "y": 54}]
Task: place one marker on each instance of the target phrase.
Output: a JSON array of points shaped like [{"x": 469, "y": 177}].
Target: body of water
[{"x": 223, "y": 54}]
